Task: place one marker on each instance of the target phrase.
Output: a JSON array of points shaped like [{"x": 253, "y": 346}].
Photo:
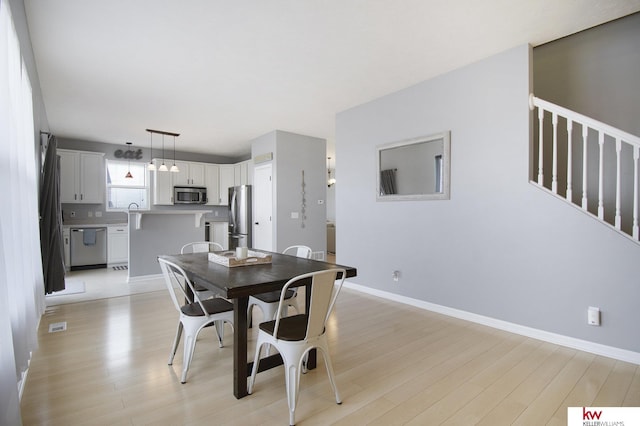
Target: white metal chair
[
  {"x": 296, "y": 335},
  {"x": 202, "y": 247},
  {"x": 195, "y": 314},
  {"x": 268, "y": 302}
]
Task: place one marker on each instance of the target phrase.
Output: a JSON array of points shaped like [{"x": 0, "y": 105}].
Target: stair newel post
[
  {"x": 540, "y": 145},
  {"x": 601, "y": 176},
  {"x": 554, "y": 173},
  {"x": 618, "y": 150},
  {"x": 569, "y": 159},
  {"x": 636, "y": 154},
  {"x": 585, "y": 133}
]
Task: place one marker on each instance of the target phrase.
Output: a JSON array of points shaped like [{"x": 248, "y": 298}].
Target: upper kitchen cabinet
[
  {"x": 243, "y": 173},
  {"x": 212, "y": 183},
  {"x": 227, "y": 180},
  {"x": 190, "y": 174},
  {"x": 162, "y": 186},
  {"x": 81, "y": 177},
  {"x": 217, "y": 178}
]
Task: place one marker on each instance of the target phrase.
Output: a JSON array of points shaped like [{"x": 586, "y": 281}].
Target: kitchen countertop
[{"x": 93, "y": 225}]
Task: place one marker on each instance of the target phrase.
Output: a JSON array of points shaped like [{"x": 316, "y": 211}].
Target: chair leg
[
  {"x": 219, "y": 326},
  {"x": 292, "y": 380},
  {"x": 329, "y": 367},
  {"x": 254, "y": 370},
  {"x": 176, "y": 341},
  {"x": 189, "y": 348}
]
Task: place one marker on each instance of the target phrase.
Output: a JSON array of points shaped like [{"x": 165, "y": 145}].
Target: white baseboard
[
  {"x": 143, "y": 278},
  {"x": 558, "y": 339}
]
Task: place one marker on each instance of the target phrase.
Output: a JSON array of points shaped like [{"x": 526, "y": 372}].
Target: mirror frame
[{"x": 446, "y": 174}]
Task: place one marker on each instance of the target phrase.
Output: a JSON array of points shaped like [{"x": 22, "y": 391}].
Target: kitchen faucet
[{"x": 136, "y": 204}]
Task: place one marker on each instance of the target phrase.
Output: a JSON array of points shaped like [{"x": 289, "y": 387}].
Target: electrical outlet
[
  {"x": 395, "y": 275},
  {"x": 98, "y": 214},
  {"x": 72, "y": 214},
  {"x": 90, "y": 214}
]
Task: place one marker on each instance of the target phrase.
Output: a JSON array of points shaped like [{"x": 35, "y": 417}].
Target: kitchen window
[{"x": 123, "y": 192}]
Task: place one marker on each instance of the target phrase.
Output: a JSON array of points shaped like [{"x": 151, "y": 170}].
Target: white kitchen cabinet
[
  {"x": 221, "y": 234},
  {"x": 66, "y": 248},
  {"x": 212, "y": 183},
  {"x": 117, "y": 244},
  {"x": 217, "y": 178},
  {"x": 190, "y": 174},
  {"x": 162, "y": 185},
  {"x": 243, "y": 173},
  {"x": 227, "y": 180},
  {"x": 82, "y": 178}
]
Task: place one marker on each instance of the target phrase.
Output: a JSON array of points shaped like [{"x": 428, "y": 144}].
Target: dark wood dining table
[{"x": 237, "y": 284}]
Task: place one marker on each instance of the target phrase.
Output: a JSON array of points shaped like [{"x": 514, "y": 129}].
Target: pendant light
[
  {"x": 151, "y": 167},
  {"x": 174, "y": 168},
  {"x": 163, "y": 167},
  {"x": 128, "y": 175},
  {"x": 330, "y": 181}
]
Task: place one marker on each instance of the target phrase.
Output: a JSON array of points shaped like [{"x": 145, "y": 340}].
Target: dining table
[{"x": 237, "y": 284}]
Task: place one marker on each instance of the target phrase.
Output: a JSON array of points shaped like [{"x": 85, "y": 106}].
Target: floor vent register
[{"x": 57, "y": 326}]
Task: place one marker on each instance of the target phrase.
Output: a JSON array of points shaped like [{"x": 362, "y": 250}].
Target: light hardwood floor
[{"x": 394, "y": 365}]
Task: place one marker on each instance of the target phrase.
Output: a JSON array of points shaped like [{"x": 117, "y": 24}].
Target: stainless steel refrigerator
[{"x": 240, "y": 216}]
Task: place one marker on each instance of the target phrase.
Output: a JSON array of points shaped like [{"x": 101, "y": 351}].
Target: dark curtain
[
  {"x": 387, "y": 182},
  {"x": 51, "y": 244}
]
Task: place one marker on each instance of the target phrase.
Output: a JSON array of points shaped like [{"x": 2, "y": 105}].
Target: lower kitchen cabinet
[{"x": 117, "y": 244}]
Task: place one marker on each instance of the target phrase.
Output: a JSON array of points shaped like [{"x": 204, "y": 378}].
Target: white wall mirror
[{"x": 414, "y": 169}]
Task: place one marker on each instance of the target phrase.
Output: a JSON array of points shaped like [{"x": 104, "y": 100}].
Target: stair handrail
[{"x": 583, "y": 119}]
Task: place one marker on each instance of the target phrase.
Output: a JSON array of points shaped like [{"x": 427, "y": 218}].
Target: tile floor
[{"x": 104, "y": 283}]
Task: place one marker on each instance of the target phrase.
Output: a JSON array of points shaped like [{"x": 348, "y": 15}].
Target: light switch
[
  {"x": 294, "y": 215},
  {"x": 593, "y": 315}
]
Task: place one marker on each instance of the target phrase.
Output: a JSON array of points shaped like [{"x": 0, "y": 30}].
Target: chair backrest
[
  {"x": 298, "y": 251},
  {"x": 324, "y": 292},
  {"x": 177, "y": 281},
  {"x": 200, "y": 247}
]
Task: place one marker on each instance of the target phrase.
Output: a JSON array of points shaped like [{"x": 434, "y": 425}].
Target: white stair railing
[{"x": 609, "y": 138}]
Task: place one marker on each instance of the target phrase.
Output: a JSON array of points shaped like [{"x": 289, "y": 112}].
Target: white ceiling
[{"x": 222, "y": 72}]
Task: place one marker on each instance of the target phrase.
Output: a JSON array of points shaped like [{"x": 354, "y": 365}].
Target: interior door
[{"x": 263, "y": 207}]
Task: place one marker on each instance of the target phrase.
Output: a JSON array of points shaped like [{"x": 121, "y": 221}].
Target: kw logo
[{"x": 590, "y": 415}]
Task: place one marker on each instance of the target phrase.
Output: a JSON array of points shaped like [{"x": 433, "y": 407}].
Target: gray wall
[
  {"x": 499, "y": 247},
  {"x": 597, "y": 73},
  {"x": 159, "y": 234},
  {"x": 294, "y": 153}
]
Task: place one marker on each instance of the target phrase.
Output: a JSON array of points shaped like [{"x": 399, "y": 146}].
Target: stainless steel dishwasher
[{"x": 88, "y": 248}]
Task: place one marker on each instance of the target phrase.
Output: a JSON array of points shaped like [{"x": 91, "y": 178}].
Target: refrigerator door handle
[{"x": 233, "y": 209}]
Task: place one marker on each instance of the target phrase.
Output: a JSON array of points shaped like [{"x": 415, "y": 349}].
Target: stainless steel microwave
[{"x": 189, "y": 195}]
